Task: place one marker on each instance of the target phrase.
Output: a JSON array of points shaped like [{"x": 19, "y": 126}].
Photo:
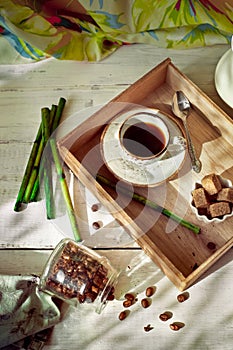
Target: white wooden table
[{"x": 27, "y": 238}]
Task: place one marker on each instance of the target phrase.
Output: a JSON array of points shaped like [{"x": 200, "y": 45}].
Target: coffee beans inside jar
[{"x": 78, "y": 275}]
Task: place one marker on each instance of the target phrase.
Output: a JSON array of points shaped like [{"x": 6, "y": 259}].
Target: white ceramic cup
[{"x": 143, "y": 138}]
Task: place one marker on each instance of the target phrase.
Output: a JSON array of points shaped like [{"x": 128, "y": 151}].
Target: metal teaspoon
[{"x": 181, "y": 107}]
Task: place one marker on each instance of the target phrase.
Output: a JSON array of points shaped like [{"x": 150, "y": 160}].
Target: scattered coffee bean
[
  {"x": 176, "y": 326},
  {"x": 148, "y": 328},
  {"x": 145, "y": 303},
  {"x": 127, "y": 303},
  {"x": 211, "y": 245},
  {"x": 129, "y": 300},
  {"x": 195, "y": 266},
  {"x": 165, "y": 316},
  {"x": 95, "y": 207},
  {"x": 129, "y": 296},
  {"x": 122, "y": 315},
  {"x": 182, "y": 297},
  {"x": 150, "y": 291},
  {"x": 97, "y": 225}
]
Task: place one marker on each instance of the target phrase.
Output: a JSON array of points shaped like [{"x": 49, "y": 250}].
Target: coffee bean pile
[
  {"x": 130, "y": 299},
  {"x": 77, "y": 275}
]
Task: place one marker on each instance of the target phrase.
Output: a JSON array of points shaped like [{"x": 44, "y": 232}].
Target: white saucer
[
  {"x": 149, "y": 175},
  {"x": 224, "y": 77}
]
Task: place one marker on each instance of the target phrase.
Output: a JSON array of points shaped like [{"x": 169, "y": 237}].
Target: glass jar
[{"x": 77, "y": 275}]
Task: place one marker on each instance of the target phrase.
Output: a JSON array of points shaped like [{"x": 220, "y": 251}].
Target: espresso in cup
[{"x": 143, "y": 137}]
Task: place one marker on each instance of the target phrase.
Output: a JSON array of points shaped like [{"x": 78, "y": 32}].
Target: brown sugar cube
[
  {"x": 199, "y": 198},
  {"x": 226, "y": 194},
  {"x": 219, "y": 209},
  {"x": 211, "y": 184}
]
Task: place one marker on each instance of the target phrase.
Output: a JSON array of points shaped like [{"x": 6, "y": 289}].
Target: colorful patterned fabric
[{"x": 92, "y": 29}]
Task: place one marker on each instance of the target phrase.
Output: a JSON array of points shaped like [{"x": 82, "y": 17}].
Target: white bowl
[{"x": 225, "y": 183}]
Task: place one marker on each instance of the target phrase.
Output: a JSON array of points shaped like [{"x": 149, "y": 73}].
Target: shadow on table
[
  {"x": 137, "y": 272},
  {"x": 223, "y": 261}
]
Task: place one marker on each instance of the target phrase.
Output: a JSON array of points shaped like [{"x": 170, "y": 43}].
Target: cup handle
[{"x": 177, "y": 145}]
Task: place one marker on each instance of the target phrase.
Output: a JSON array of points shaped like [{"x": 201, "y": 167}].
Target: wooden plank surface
[
  {"x": 207, "y": 309},
  {"x": 28, "y": 237}
]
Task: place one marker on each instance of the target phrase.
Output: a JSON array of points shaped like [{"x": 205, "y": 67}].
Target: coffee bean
[
  {"x": 150, "y": 291},
  {"x": 211, "y": 245},
  {"x": 110, "y": 297},
  {"x": 165, "y": 316},
  {"x": 129, "y": 296},
  {"x": 194, "y": 267},
  {"x": 176, "y": 326},
  {"x": 122, "y": 315},
  {"x": 145, "y": 303},
  {"x": 95, "y": 207},
  {"x": 97, "y": 225},
  {"x": 182, "y": 297},
  {"x": 127, "y": 303}
]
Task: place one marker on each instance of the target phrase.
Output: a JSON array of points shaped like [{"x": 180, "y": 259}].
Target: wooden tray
[{"x": 181, "y": 254}]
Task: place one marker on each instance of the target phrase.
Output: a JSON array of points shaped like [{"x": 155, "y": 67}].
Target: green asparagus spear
[
  {"x": 47, "y": 170},
  {"x": 29, "y": 168},
  {"x": 65, "y": 190},
  {"x": 35, "y": 169},
  {"x": 58, "y": 114},
  {"x": 150, "y": 204},
  {"x": 36, "y": 187}
]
